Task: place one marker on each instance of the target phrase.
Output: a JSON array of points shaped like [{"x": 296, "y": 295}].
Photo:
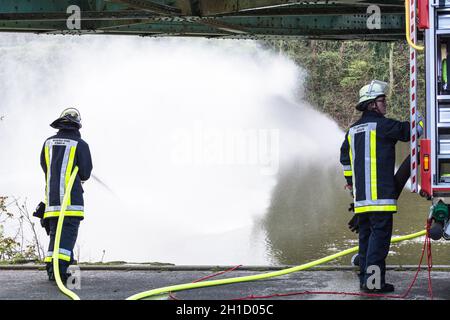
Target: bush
[{"x": 17, "y": 249}]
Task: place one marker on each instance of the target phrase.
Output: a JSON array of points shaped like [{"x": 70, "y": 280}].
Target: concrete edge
[{"x": 214, "y": 268}]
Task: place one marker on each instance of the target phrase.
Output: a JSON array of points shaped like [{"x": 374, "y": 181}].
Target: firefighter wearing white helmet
[
  {"x": 368, "y": 159},
  {"x": 60, "y": 154},
  {"x": 369, "y": 93},
  {"x": 69, "y": 115}
]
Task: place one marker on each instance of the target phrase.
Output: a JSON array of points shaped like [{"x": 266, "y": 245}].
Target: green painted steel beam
[
  {"x": 317, "y": 10},
  {"x": 179, "y": 7},
  {"x": 167, "y": 17},
  {"x": 208, "y": 7},
  {"x": 54, "y": 6},
  {"x": 151, "y": 6},
  {"x": 291, "y": 25},
  {"x": 307, "y": 25},
  {"x": 306, "y": 10}
]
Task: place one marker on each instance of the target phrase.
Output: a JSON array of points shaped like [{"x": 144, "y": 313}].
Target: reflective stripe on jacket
[
  {"x": 60, "y": 154},
  {"x": 368, "y": 159}
]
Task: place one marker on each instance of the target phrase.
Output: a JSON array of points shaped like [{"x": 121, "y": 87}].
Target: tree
[{"x": 336, "y": 70}]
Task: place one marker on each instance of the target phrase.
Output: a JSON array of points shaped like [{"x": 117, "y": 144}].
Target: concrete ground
[{"x": 120, "y": 282}]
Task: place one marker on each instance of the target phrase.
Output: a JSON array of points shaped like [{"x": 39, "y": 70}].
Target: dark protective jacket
[
  {"x": 368, "y": 157},
  {"x": 60, "y": 154}
]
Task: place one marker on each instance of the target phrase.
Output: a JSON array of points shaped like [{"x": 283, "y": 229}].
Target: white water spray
[{"x": 189, "y": 135}]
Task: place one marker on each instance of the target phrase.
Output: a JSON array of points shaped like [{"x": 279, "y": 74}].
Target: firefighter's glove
[
  {"x": 353, "y": 224},
  {"x": 45, "y": 223},
  {"x": 40, "y": 210}
]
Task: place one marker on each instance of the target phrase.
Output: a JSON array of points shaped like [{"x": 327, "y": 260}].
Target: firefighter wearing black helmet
[
  {"x": 368, "y": 159},
  {"x": 60, "y": 154}
]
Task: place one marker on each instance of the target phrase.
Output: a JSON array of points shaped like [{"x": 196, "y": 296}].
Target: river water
[{"x": 204, "y": 151}]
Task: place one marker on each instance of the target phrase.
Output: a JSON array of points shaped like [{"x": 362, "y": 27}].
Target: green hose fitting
[{"x": 440, "y": 211}]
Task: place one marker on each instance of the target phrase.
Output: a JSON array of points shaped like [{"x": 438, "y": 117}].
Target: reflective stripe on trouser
[
  {"x": 68, "y": 239},
  {"x": 48, "y": 257},
  {"x": 64, "y": 254}
]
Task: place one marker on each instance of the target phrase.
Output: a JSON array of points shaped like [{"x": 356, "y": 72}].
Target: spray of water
[{"x": 189, "y": 138}]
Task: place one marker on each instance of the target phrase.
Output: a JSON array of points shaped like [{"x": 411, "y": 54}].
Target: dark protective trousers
[
  {"x": 375, "y": 231},
  {"x": 67, "y": 243}
]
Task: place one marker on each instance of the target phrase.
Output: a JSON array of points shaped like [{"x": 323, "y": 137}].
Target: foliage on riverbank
[
  {"x": 336, "y": 70},
  {"x": 18, "y": 248}
]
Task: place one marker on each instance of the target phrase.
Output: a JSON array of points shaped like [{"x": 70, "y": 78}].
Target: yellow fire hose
[
  {"x": 189, "y": 286},
  {"x": 408, "y": 30},
  {"x": 59, "y": 227}
]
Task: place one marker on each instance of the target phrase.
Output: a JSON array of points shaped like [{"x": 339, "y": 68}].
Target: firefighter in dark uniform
[
  {"x": 60, "y": 154},
  {"x": 368, "y": 158}
]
